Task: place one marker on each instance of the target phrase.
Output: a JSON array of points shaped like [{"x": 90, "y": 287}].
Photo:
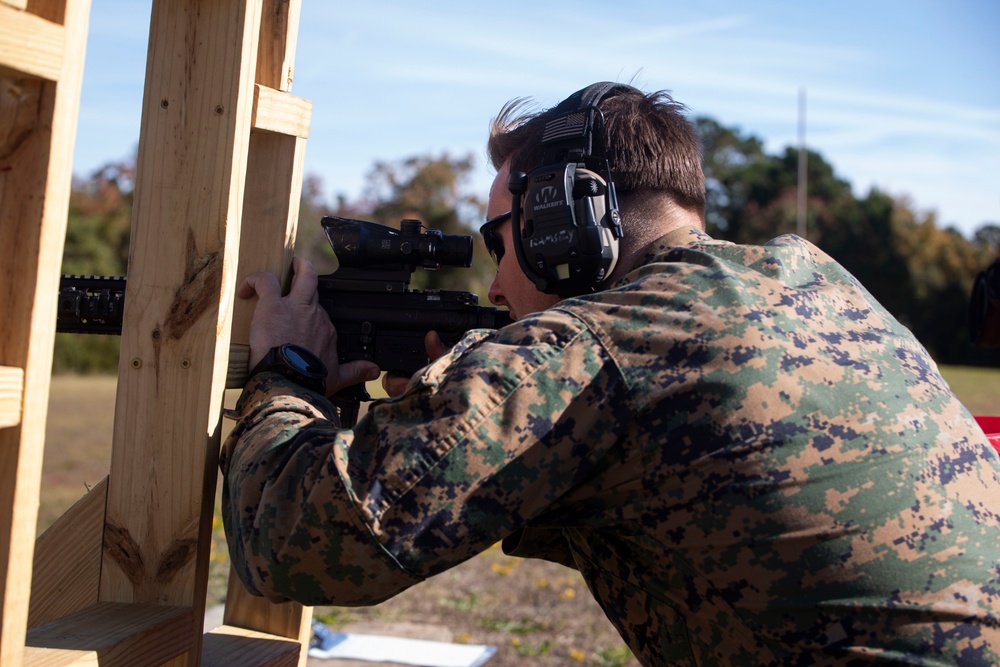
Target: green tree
[
  {"x": 942, "y": 265},
  {"x": 731, "y": 163},
  {"x": 432, "y": 189},
  {"x": 99, "y": 222},
  {"x": 918, "y": 271},
  {"x": 987, "y": 238},
  {"x": 861, "y": 235}
]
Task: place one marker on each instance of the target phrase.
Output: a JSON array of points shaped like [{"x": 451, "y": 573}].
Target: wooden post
[
  {"x": 221, "y": 146},
  {"x": 42, "y": 44},
  {"x": 182, "y": 268},
  {"x": 270, "y": 218}
]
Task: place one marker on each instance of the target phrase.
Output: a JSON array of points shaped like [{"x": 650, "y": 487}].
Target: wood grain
[{"x": 37, "y": 133}]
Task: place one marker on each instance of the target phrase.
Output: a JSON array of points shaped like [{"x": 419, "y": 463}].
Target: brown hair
[{"x": 650, "y": 145}]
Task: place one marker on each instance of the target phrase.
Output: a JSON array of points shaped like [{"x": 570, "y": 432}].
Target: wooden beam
[
  {"x": 30, "y": 45},
  {"x": 270, "y": 218},
  {"x": 191, "y": 166},
  {"x": 227, "y": 645},
  {"x": 288, "y": 620},
  {"x": 11, "y": 395},
  {"x": 270, "y": 221},
  {"x": 270, "y": 215},
  {"x": 279, "y": 29},
  {"x": 67, "y": 564},
  {"x": 130, "y": 635},
  {"x": 284, "y": 113},
  {"x": 60, "y": 657},
  {"x": 37, "y": 134}
]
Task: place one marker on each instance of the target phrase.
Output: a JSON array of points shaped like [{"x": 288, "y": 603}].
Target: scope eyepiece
[{"x": 359, "y": 243}]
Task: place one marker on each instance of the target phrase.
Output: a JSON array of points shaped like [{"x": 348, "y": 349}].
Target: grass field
[
  {"x": 979, "y": 388},
  {"x": 535, "y": 612}
]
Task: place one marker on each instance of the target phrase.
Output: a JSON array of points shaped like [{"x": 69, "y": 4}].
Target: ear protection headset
[{"x": 564, "y": 214}]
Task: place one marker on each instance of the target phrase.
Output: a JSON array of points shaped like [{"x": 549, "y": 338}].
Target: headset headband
[{"x": 574, "y": 119}]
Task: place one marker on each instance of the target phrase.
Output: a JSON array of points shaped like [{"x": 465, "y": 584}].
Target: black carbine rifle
[{"x": 369, "y": 300}]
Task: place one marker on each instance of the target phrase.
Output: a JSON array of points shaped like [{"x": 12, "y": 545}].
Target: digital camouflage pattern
[{"x": 748, "y": 459}]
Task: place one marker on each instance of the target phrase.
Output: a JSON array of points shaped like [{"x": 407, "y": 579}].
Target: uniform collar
[{"x": 656, "y": 251}]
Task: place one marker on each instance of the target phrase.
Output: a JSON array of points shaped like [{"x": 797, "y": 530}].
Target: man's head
[
  {"x": 654, "y": 157},
  {"x": 652, "y": 148}
]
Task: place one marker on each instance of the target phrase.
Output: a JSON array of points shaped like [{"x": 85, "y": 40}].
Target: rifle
[{"x": 368, "y": 298}]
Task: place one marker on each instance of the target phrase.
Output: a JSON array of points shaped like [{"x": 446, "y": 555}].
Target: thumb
[
  {"x": 352, "y": 373},
  {"x": 434, "y": 345}
]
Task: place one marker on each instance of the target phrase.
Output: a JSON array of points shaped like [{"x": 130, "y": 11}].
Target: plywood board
[{"x": 67, "y": 563}]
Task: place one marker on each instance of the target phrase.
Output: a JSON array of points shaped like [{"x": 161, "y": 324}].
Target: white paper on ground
[{"x": 421, "y": 652}]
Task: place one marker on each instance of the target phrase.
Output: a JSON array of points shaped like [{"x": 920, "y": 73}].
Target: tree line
[{"x": 921, "y": 272}]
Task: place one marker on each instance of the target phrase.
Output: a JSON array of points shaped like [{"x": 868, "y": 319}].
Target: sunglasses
[{"x": 492, "y": 238}]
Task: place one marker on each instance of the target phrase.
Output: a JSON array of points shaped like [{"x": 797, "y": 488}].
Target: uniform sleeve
[{"x": 483, "y": 440}]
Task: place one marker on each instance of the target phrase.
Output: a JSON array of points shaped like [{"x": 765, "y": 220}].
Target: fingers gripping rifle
[
  {"x": 377, "y": 316},
  {"x": 368, "y": 298}
]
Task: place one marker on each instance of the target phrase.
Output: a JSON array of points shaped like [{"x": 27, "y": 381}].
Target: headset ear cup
[
  {"x": 595, "y": 215},
  {"x": 564, "y": 212},
  {"x": 564, "y": 228}
]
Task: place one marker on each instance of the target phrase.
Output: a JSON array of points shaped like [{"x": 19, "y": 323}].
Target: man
[{"x": 747, "y": 458}]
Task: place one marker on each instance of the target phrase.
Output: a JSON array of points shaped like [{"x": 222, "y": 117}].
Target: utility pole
[{"x": 800, "y": 207}]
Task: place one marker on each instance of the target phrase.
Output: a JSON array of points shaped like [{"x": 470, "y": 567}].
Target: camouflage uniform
[{"x": 748, "y": 459}]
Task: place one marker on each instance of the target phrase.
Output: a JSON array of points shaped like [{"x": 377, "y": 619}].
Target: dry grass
[
  {"x": 77, "y": 441},
  {"x": 534, "y": 612}
]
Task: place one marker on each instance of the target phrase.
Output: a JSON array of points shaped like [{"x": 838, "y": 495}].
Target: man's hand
[
  {"x": 395, "y": 385},
  {"x": 298, "y": 318}
]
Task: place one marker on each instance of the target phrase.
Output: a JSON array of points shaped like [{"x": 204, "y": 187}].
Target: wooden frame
[
  {"x": 122, "y": 576},
  {"x": 39, "y": 97}
]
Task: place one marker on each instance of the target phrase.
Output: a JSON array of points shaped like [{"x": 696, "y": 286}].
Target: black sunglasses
[{"x": 492, "y": 238}]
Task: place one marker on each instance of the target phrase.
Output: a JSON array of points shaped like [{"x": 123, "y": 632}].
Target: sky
[{"x": 903, "y": 95}]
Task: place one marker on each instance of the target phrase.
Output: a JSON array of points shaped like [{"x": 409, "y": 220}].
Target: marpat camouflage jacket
[{"x": 748, "y": 459}]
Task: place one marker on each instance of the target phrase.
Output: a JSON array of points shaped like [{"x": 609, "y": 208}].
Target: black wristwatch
[{"x": 297, "y": 364}]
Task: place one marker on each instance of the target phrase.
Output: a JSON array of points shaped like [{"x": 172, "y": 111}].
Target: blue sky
[{"x": 902, "y": 94}]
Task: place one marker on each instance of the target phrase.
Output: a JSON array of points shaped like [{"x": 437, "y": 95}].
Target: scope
[{"x": 359, "y": 243}]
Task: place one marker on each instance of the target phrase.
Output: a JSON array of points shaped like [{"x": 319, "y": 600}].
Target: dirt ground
[{"x": 534, "y": 612}]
